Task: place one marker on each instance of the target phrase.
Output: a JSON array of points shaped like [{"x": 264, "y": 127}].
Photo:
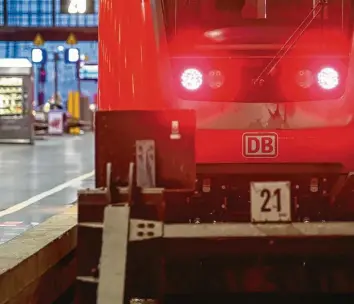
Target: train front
[{"x": 271, "y": 85}]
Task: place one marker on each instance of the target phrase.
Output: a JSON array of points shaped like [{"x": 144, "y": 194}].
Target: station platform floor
[{"x": 39, "y": 181}]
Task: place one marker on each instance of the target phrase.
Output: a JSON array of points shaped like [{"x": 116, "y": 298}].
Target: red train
[{"x": 268, "y": 163}]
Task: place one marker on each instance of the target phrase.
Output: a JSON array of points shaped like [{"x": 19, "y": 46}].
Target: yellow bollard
[{"x": 74, "y": 110}]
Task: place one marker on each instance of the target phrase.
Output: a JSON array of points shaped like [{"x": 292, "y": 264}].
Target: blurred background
[{"x": 44, "y": 14}]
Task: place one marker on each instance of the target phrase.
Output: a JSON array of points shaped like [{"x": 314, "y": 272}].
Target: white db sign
[{"x": 260, "y": 145}]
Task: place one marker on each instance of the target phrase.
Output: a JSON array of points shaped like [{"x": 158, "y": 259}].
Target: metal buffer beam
[
  {"x": 140, "y": 230},
  {"x": 119, "y": 230}
]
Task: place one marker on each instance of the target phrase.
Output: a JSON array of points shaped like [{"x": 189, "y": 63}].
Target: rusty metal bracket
[{"x": 145, "y": 163}]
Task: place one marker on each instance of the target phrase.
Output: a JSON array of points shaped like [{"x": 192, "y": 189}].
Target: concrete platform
[
  {"x": 40, "y": 181},
  {"x": 40, "y": 265}
]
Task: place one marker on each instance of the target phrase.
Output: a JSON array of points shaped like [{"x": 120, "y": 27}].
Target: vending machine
[{"x": 16, "y": 101}]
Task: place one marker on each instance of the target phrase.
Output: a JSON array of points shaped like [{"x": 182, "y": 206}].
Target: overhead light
[
  {"x": 39, "y": 56},
  {"x": 72, "y": 55}
]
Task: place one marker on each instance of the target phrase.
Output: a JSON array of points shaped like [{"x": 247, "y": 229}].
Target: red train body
[
  {"x": 230, "y": 51},
  {"x": 247, "y": 106}
]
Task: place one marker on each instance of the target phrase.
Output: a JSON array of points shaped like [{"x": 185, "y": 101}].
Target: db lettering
[
  {"x": 260, "y": 145},
  {"x": 263, "y": 145}
]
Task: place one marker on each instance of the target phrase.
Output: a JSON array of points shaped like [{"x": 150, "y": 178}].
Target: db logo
[{"x": 260, "y": 144}]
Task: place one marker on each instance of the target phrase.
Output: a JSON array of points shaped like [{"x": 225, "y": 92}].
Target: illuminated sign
[
  {"x": 72, "y": 55},
  {"x": 88, "y": 72},
  {"x": 39, "y": 55},
  {"x": 77, "y": 7}
]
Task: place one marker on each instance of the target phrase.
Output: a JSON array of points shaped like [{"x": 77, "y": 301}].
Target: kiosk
[{"x": 16, "y": 98}]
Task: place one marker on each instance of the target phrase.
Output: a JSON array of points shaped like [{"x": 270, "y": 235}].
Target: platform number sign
[
  {"x": 270, "y": 202},
  {"x": 77, "y": 6}
]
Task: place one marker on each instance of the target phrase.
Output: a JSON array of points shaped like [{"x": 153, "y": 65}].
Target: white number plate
[{"x": 270, "y": 202}]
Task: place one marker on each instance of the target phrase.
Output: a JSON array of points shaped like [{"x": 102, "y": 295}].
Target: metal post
[
  {"x": 56, "y": 60},
  {"x": 78, "y": 63},
  {"x": 39, "y": 87}
]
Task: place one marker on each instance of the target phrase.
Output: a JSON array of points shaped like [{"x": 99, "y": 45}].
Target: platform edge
[{"x": 29, "y": 257}]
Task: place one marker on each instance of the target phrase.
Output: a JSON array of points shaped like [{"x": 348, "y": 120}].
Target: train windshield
[{"x": 259, "y": 17}]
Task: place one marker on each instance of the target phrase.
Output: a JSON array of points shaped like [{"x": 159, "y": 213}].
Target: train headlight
[
  {"x": 191, "y": 79},
  {"x": 328, "y": 78}
]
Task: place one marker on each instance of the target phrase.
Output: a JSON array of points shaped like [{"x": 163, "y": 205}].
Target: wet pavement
[{"x": 37, "y": 182}]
